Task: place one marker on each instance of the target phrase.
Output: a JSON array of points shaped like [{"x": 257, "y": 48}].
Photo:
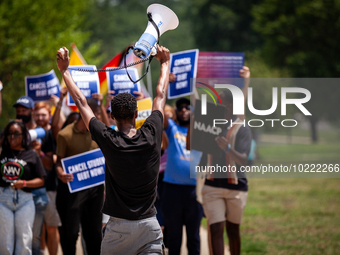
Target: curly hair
[
  {"x": 24, "y": 131},
  {"x": 123, "y": 106}
]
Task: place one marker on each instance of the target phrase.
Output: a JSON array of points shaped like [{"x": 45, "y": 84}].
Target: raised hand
[{"x": 63, "y": 59}]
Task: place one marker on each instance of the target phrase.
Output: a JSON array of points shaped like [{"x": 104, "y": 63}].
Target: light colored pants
[
  {"x": 122, "y": 236},
  {"x": 16, "y": 220}
]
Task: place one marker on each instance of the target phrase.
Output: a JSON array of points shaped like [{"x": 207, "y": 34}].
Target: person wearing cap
[
  {"x": 179, "y": 205},
  {"x": 24, "y": 107}
]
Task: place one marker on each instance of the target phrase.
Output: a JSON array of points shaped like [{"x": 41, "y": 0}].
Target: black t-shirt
[
  {"x": 48, "y": 145},
  {"x": 131, "y": 167},
  {"x": 242, "y": 145},
  {"x": 20, "y": 165}
]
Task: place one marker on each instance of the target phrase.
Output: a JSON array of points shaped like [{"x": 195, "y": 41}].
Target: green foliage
[
  {"x": 30, "y": 34},
  {"x": 300, "y": 35},
  {"x": 224, "y": 25}
]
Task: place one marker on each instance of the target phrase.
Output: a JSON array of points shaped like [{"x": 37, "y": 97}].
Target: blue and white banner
[
  {"x": 119, "y": 82},
  {"x": 42, "y": 87},
  {"x": 87, "y": 82},
  {"x": 184, "y": 65},
  {"x": 88, "y": 170}
]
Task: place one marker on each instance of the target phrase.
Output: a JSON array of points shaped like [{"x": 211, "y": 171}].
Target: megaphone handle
[{"x": 146, "y": 70}]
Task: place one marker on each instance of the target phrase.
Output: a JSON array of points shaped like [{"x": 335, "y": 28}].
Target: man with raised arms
[{"x": 132, "y": 163}]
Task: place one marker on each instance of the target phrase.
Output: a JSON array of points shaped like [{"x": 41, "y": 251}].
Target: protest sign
[
  {"x": 203, "y": 127},
  {"x": 144, "y": 110},
  {"x": 119, "y": 82},
  {"x": 88, "y": 170},
  {"x": 184, "y": 65},
  {"x": 87, "y": 81},
  {"x": 219, "y": 64},
  {"x": 41, "y": 87}
]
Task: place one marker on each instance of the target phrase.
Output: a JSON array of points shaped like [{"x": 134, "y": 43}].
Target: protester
[
  {"x": 58, "y": 118},
  {"x": 82, "y": 207},
  {"x": 170, "y": 113},
  {"x": 225, "y": 194},
  {"x": 131, "y": 164},
  {"x": 103, "y": 114},
  {"x": 24, "y": 111},
  {"x": 21, "y": 171},
  {"x": 42, "y": 116},
  {"x": 165, "y": 143},
  {"x": 72, "y": 117},
  {"x": 179, "y": 206}
]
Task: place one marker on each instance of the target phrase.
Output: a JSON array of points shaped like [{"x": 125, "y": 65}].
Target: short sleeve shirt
[
  {"x": 20, "y": 165},
  {"x": 71, "y": 141},
  {"x": 242, "y": 145},
  {"x": 131, "y": 167},
  {"x": 177, "y": 169}
]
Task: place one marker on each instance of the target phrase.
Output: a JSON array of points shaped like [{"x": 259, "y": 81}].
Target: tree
[
  {"x": 301, "y": 36},
  {"x": 224, "y": 25},
  {"x": 30, "y": 34}
]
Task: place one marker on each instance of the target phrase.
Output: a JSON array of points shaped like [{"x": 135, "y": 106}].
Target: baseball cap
[
  {"x": 182, "y": 100},
  {"x": 25, "y": 101}
]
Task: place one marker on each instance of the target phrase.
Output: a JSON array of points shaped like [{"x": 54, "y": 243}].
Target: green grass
[
  {"x": 299, "y": 153},
  {"x": 292, "y": 216}
]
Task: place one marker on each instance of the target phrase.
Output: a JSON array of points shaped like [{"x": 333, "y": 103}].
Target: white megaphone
[
  {"x": 37, "y": 133},
  {"x": 165, "y": 19}
]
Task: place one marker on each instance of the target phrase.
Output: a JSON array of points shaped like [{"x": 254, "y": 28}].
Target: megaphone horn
[{"x": 161, "y": 19}]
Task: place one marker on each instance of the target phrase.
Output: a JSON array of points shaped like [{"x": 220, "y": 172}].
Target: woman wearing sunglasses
[{"x": 21, "y": 169}]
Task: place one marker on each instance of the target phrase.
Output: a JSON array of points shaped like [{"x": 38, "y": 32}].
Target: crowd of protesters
[{"x": 38, "y": 212}]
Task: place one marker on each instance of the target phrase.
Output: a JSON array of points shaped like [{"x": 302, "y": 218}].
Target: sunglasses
[
  {"x": 187, "y": 107},
  {"x": 14, "y": 135}
]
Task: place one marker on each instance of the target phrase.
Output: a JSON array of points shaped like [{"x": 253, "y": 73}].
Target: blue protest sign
[
  {"x": 119, "y": 82},
  {"x": 184, "y": 65},
  {"x": 88, "y": 170},
  {"x": 87, "y": 81},
  {"x": 41, "y": 87}
]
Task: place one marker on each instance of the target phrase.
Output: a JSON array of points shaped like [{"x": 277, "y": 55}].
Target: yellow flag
[{"x": 75, "y": 59}]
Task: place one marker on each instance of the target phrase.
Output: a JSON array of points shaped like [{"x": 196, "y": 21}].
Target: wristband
[
  {"x": 23, "y": 183},
  {"x": 42, "y": 154},
  {"x": 228, "y": 148},
  {"x": 59, "y": 104},
  {"x": 1, "y": 87}
]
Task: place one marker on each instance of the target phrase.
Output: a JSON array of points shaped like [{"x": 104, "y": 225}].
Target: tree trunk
[{"x": 313, "y": 121}]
